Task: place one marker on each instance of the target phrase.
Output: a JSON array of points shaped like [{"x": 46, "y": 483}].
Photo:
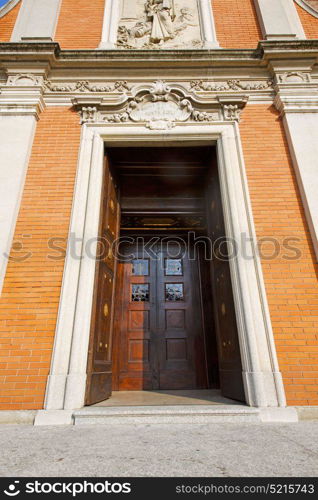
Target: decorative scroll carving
[
  {"x": 161, "y": 24},
  {"x": 236, "y": 85},
  {"x": 85, "y": 86},
  {"x": 159, "y": 107}
]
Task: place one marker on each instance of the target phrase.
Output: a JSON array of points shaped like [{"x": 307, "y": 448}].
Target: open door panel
[
  {"x": 99, "y": 367},
  {"x": 229, "y": 357}
]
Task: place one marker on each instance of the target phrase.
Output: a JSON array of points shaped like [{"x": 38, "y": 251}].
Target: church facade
[{"x": 190, "y": 126}]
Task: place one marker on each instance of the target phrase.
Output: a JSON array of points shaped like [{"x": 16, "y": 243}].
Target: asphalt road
[{"x": 218, "y": 450}]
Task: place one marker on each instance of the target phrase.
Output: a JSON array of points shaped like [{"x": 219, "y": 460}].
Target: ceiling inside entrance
[{"x": 161, "y": 188}]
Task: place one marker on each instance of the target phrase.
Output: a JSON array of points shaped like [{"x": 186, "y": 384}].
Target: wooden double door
[{"x": 160, "y": 340}]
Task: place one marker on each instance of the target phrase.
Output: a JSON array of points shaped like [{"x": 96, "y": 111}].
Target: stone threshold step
[{"x": 166, "y": 414}]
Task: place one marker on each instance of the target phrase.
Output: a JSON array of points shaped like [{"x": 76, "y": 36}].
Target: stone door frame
[{"x": 67, "y": 380}]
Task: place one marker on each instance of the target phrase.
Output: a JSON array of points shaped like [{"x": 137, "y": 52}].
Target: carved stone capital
[
  {"x": 24, "y": 80},
  {"x": 232, "y": 106},
  {"x": 307, "y": 103},
  {"x": 22, "y": 107},
  {"x": 296, "y": 91},
  {"x": 22, "y": 94}
]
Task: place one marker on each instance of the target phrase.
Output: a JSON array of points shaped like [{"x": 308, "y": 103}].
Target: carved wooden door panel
[
  {"x": 230, "y": 367},
  {"x": 159, "y": 319},
  {"x": 99, "y": 368},
  {"x": 136, "y": 321},
  {"x": 179, "y": 337}
]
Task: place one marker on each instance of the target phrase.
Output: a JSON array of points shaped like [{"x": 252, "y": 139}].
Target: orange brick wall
[
  {"x": 29, "y": 302},
  {"x": 292, "y": 286},
  {"x": 309, "y": 22},
  {"x": 236, "y": 24},
  {"x": 80, "y": 24},
  {"x": 7, "y": 23}
]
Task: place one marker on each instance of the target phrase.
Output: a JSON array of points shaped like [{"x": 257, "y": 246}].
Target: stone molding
[{"x": 307, "y": 7}]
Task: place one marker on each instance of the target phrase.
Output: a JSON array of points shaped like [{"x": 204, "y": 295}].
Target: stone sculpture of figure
[{"x": 163, "y": 14}]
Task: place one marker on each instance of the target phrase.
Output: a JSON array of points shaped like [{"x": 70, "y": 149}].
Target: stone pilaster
[
  {"x": 297, "y": 101},
  {"x": 279, "y": 20},
  {"x": 21, "y": 102}
]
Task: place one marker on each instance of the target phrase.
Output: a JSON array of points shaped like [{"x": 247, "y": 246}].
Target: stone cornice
[
  {"x": 292, "y": 49},
  {"x": 53, "y": 54},
  {"x": 62, "y": 75}
]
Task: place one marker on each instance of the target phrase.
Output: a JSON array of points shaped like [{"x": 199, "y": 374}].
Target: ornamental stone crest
[
  {"x": 158, "y": 107},
  {"x": 154, "y": 24}
]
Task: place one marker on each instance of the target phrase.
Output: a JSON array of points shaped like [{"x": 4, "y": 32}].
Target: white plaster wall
[
  {"x": 16, "y": 138},
  {"x": 302, "y": 133},
  {"x": 36, "y": 19},
  {"x": 279, "y": 19}
]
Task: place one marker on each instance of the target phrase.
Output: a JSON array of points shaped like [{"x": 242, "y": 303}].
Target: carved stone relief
[
  {"x": 24, "y": 80},
  {"x": 153, "y": 24},
  {"x": 294, "y": 77}
]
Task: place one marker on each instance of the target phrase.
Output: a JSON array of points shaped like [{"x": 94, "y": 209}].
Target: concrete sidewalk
[{"x": 223, "y": 450}]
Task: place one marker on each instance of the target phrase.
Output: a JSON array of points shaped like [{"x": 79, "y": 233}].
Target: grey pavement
[{"x": 213, "y": 449}]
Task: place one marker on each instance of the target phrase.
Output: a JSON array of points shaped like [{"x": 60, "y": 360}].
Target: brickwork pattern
[
  {"x": 30, "y": 298},
  {"x": 292, "y": 286},
  {"x": 236, "y": 24},
  {"x": 80, "y": 24}
]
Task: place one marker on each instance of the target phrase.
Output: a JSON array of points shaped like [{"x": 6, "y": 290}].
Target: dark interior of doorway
[{"x": 171, "y": 192}]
